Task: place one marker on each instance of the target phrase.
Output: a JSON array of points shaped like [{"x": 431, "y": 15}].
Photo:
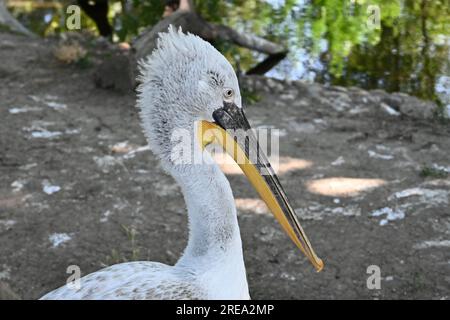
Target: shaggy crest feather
[{"x": 181, "y": 81}]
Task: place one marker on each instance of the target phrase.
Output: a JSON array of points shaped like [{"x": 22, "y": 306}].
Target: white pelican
[{"x": 188, "y": 85}]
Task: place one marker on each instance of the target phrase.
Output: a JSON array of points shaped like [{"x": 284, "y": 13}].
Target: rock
[
  {"x": 418, "y": 109},
  {"x": 247, "y": 82},
  {"x": 8, "y": 71},
  {"x": 259, "y": 85},
  {"x": 393, "y": 100},
  {"x": 339, "y": 101},
  {"x": 393, "y": 103},
  {"x": 301, "y": 127},
  {"x": 288, "y": 96},
  {"x": 389, "y": 110},
  {"x": 6, "y": 44},
  {"x": 338, "y": 89},
  {"x": 305, "y": 89},
  {"x": 356, "y": 90},
  {"x": 115, "y": 73},
  {"x": 274, "y": 85},
  {"x": 300, "y": 103}
]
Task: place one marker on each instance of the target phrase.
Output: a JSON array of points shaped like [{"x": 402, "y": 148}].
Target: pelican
[{"x": 187, "y": 86}]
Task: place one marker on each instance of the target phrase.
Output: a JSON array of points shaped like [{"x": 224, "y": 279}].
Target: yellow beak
[{"x": 267, "y": 185}]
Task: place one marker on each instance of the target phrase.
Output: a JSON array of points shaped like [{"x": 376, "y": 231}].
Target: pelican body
[{"x": 187, "y": 86}]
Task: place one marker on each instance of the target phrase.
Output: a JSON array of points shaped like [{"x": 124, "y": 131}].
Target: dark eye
[{"x": 228, "y": 93}]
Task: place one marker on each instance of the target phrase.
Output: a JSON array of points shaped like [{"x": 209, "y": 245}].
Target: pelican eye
[{"x": 228, "y": 94}]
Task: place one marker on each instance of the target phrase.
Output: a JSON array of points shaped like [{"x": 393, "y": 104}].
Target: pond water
[
  {"x": 401, "y": 45},
  {"x": 392, "y": 45}
]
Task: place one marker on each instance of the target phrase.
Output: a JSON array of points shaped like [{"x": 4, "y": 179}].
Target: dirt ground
[{"x": 369, "y": 183}]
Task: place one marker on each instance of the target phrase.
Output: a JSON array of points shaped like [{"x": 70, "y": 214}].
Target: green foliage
[
  {"x": 249, "y": 16},
  {"x": 407, "y": 53},
  {"x": 130, "y": 20},
  {"x": 344, "y": 24},
  {"x": 50, "y": 18},
  {"x": 84, "y": 62},
  {"x": 333, "y": 40},
  {"x": 4, "y": 28}
]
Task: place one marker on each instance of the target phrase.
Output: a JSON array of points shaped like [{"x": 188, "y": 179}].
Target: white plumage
[{"x": 182, "y": 81}]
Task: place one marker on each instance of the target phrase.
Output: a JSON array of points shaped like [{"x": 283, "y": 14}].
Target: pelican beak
[{"x": 233, "y": 132}]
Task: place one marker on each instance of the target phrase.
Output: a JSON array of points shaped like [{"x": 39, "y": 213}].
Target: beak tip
[{"x": 319, "y": 265}]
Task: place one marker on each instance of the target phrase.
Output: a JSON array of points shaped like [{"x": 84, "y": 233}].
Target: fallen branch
[
  {"x": 115, "y": 71},
  {"x": 191, "y": 22}
]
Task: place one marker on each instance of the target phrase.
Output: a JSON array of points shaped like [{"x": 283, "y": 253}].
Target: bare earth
[{"x": 74, "y": 178}]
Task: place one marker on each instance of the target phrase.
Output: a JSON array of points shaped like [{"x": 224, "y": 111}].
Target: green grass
[
  {"x": 4, "y": 28},
  {"x": 84, "y": 62},
  {"x": 430, "y": 172},
  {"x": 134, "y": 252}
]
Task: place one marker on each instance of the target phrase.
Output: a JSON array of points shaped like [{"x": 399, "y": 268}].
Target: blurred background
[
  {"x": 329, "y": 41},
  {"x": 357, "y": 90}
]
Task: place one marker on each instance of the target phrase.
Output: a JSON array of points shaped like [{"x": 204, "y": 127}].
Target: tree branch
[
  {"x": 191, "y": 22},
  {"x": 9, "y": 21},
  {"x": 267, "y": 64},
  {"x": 249, "y": 41}
]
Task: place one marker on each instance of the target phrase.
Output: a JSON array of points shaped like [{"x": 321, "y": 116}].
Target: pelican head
[
  {"x": 184, "y": 81},
  {"x": 188, "y": 86}
]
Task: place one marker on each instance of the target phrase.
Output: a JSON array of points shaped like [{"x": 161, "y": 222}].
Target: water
[
  {"x": 341, "y": 43},
  {"x": 393, "y": 45}
]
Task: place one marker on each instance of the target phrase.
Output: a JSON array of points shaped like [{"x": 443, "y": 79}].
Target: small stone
[
  {"x": 115, "y": 73},
  {"x": 50, "y": 189},
  {"x": 416, "y": 108},
  {"x": 339, "y": 161},
  {"x": 274, "y": 85},
  {"x": 287, "y": 96},
  {"x": 339, "y": 89},
  {"x": 58, "y": 239},
  {"x": 389, "y": 110}
]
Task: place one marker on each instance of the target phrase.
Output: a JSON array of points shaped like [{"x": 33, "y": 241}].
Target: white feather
[{"x": 182, "y": 82}]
